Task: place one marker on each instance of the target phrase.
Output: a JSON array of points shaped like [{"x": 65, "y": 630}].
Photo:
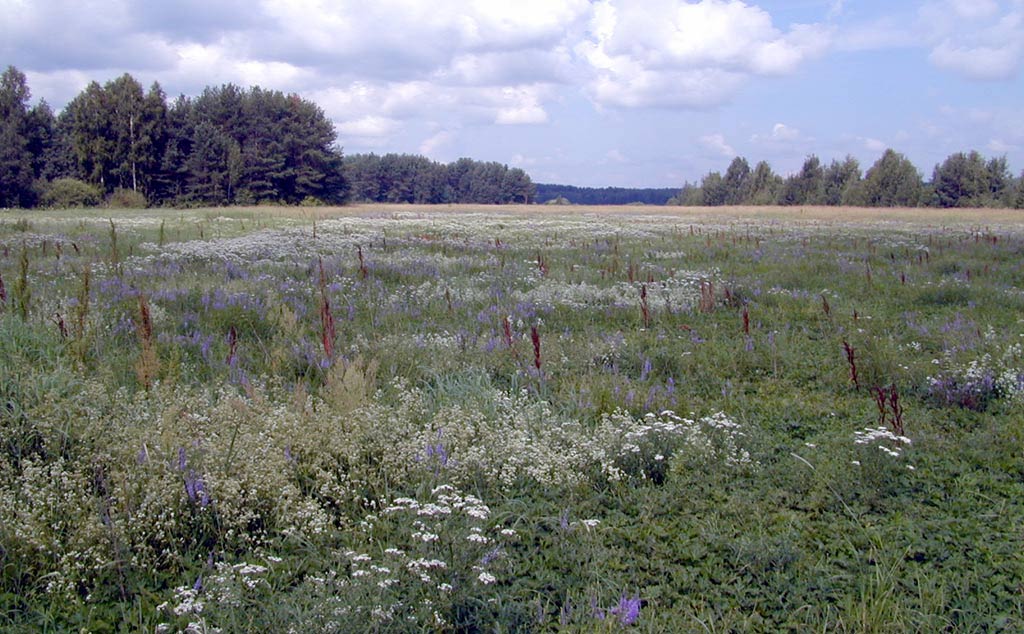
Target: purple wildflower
[
  {"x": 438, "y": 451},
  {"x": 565, "y": 614},
  {"x": 196, "y": 490},
  {"x": 490, "y": 556},
  {"x": 628, "y": 609},
  {"x": 182, "y": 462}
]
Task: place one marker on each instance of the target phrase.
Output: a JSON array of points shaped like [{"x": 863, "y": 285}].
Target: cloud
[
  {"x": 977, "y": 39},
  {"x": 405, "y": 39},
  {"x": 781, "y": 134},
  {"x": 873, "y": 145},
  {"x": 520, "y": 105},
  {"x": 1000, "y": 147},
  {"x": 431, "y": 144},
  {"x": 877, "y": 34},
  {"x": 615, "y": 156},
  {"x": 973, "y": 9},
  {"x": 486, "y": 61},
  {"x": 979, "y": 62},
  {"x": 835, "y": 8},
  {"x": 673, "y": 53},
  {"x": 89, "y": 35},
  {"x": 717, "y": 144},
  {"x": 368, "y": 126}
]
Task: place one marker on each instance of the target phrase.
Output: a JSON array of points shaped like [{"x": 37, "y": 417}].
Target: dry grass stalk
[
  {"x": 707, "y": 297},
  {"x": 148, "y": 366}
]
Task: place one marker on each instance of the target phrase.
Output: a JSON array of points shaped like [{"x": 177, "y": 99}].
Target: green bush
[
  {"x": 65, "y": 193},
  {"x": 126, "y": 199}
]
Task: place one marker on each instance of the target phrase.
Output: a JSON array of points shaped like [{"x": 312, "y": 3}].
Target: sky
[{"x": 631, "y": 93}]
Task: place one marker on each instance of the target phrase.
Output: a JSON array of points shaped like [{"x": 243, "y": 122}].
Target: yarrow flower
[{"x": 486, "y": 578}]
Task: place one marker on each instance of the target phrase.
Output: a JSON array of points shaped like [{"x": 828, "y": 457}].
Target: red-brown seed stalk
[
  {"x": 645, "y": 310},
  {"x": 232, "y": 344},
  {"x": 327, "y": 332},
  {"x": 363, "y": 271},
  {"x": 851, "y": 359},
  {"x": 327, "y": 327},
  {"x": 897, "y": 410},
  {"x": 506, "y": 327},
  {"x": 535, "y": 337},
  {"x": 61, "y": 326},
  {"x": 145, "y": 328}
]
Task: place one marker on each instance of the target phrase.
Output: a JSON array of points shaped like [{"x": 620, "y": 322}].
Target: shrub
[
  {"x": 65, "y": 193},
  {"x": 122, "y": 198}
]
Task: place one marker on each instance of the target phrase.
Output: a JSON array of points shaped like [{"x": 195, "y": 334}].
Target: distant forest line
[
  {"x": 963, "y": 179},
  {"x": 119, "y": 145}
]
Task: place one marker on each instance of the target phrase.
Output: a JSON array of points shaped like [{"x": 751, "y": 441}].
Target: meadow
[{"x": 512, "y": 419}]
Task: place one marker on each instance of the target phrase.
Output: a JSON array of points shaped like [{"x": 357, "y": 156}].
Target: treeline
[
  {"x": 119, "y": 144},
  {"x": 962, "y": 180},
  {"x": 570, "y": 194},
  {"x": 406, "y": 178},
  {"x": 227, "y": 146}
]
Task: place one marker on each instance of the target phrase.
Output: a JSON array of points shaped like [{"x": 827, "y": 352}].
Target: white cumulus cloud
[
  {"x": 977, "y": 39},
  {"x": 717, "y": 144},
  {"x": 674, "y": 53}
]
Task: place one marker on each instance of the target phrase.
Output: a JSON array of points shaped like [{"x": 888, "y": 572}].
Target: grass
[{"x": 403, "y": 418}]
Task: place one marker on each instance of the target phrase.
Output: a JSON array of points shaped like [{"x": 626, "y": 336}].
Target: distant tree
[
  {"x": 1000, "y": 182},
  {"x": 406, "y": 178},
  {"x": 86, "y": 124},
  {"x": 516, "y": 187},
  {"x": 962, "y": 180},
  {"x": 737, "y": 182},
  {"x": 171, "y": 174},
  {"x": 607, "y": 195},
  {"x": 892, "y": 181},
  {"x": 16, "y": 160},
  {"x": 41, "y": 134},
  {"x": 765, "y": 185},
  {"x": 207, "y": 181},
  {"x": 806, "y": 187},
  {"x": 713, "y": 190},
  {"x": 840, "y": 181},
  {"x": 689, "y": 196}
]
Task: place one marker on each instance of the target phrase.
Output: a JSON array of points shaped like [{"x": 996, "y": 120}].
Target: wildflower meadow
[{"x": 481, "y": 419}]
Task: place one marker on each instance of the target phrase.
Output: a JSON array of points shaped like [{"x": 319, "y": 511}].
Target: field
[{"x": 489, "y": 419}]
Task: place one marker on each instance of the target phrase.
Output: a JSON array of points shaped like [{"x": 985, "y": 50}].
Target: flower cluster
[{"x": 981, "y": 381}]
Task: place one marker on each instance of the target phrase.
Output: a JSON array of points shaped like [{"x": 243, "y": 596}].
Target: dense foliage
[
  {"x": 226, "y": 146},
  {"x": 242, "y": 421},
  {"x": 405, "y": 178},
  {"x": 962, "y": 180},
  {"x": 604, "y": 195}
]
